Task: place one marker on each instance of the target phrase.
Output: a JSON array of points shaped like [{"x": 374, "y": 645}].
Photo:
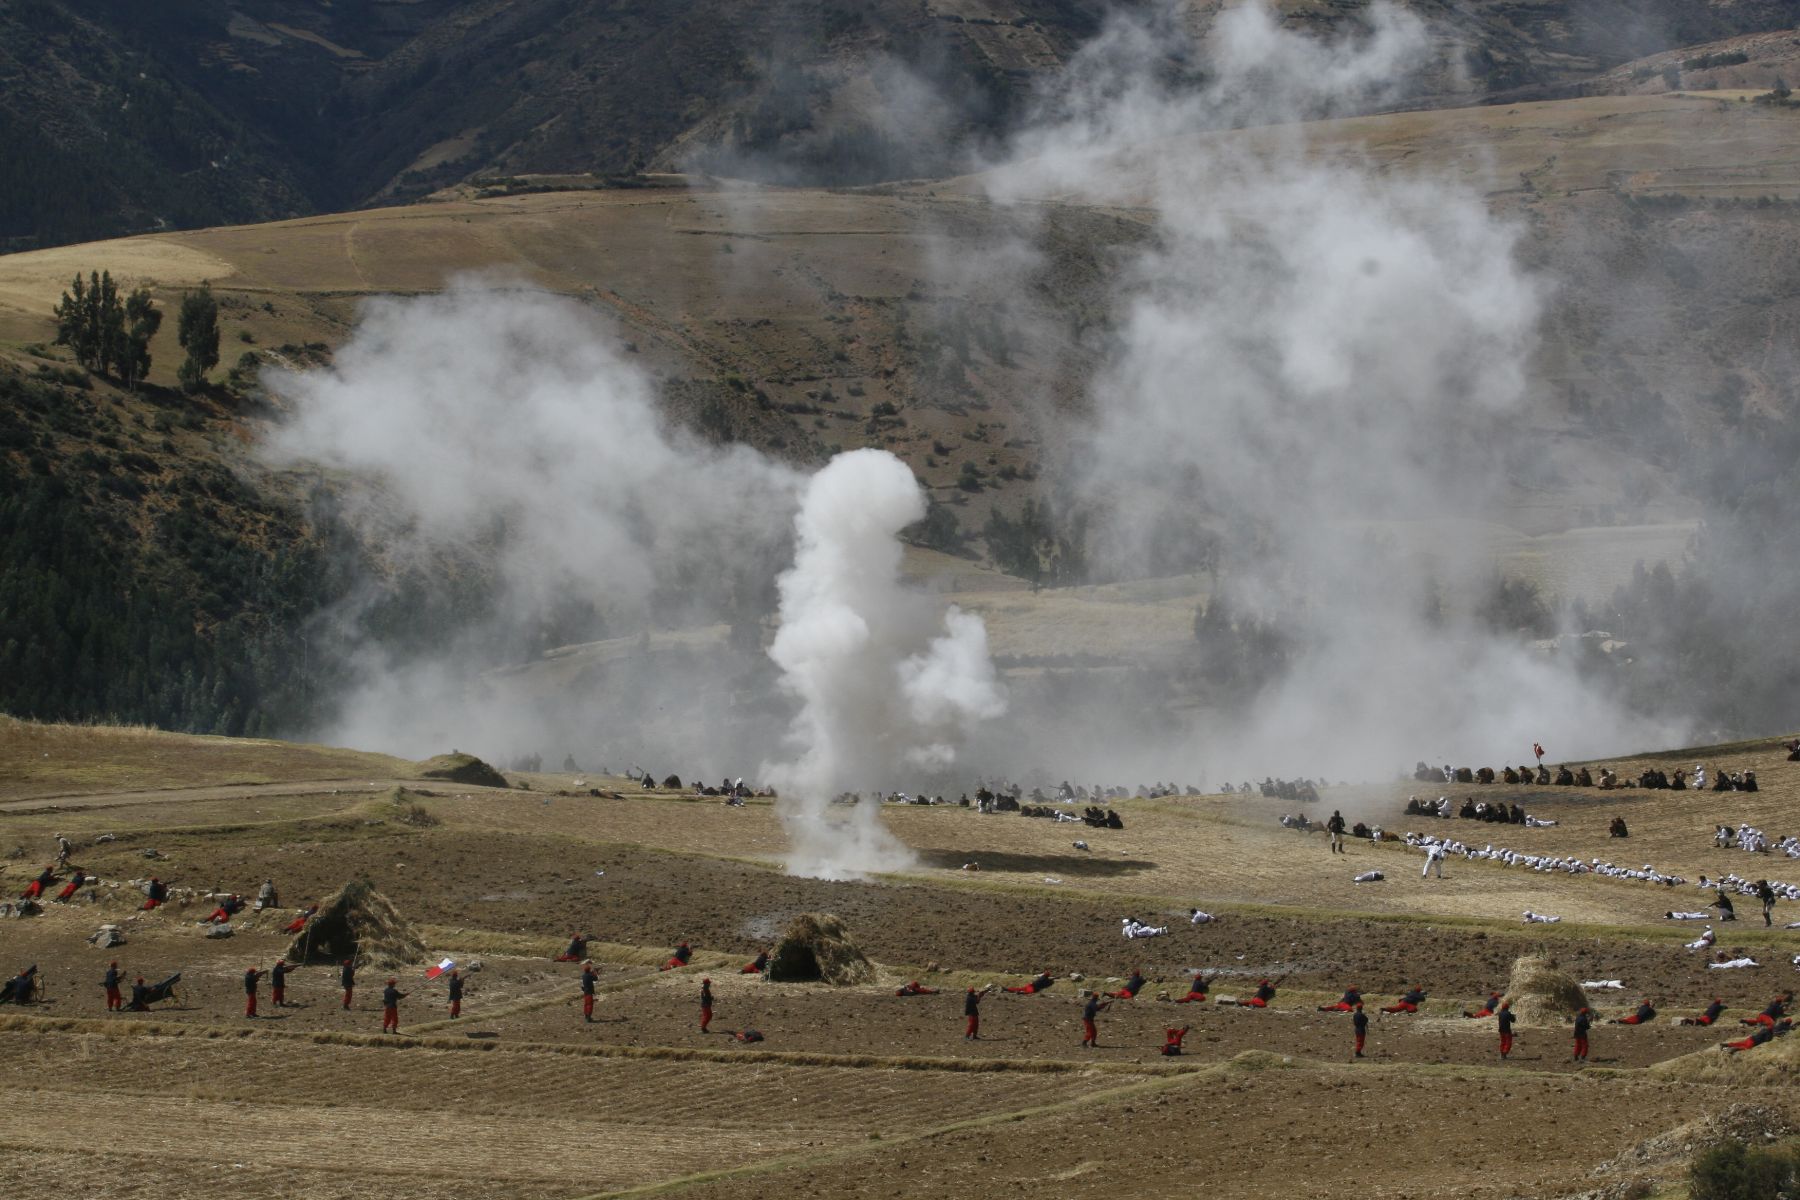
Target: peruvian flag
[{"x": 449, "y": 964}]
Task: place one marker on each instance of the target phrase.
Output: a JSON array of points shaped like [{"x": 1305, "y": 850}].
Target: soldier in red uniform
[
  {"x": 1409, "y": 1003},
  {"x": 391, "y": 996},
  {"x": 1132, "y": 987},
  {"x": 1197, "y": 988},
  {"x": 251, "y": 977},
  {"x": 589, "y": 977},
  {"x": 1709, "y": 1016},
  {"x": 706, "y": 1004},
  {"x": 1265, "y": 992},
  {"x": 1041, "y": 983}
]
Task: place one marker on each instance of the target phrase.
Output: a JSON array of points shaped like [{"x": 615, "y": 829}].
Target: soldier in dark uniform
[
  {"x": 391, "y": 996},
  {"x": 1090, "y": 1034},
  {"x": 589, "y": 977},
  {"x": 251, "y": 977}
]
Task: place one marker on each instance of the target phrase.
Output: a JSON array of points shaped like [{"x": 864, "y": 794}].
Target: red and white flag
[{"x": 449, "y": 964}]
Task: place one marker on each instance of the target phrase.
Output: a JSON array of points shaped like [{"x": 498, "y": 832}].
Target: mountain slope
[{"x": 122, "y": 116}]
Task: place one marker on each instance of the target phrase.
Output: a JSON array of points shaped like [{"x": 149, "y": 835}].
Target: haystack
[
  {"x": 358, "y": 923},
  {"x": 1541, "y": 994},
  {"x": 461, "y": 768},
  {"x": 817, "y": 947}
]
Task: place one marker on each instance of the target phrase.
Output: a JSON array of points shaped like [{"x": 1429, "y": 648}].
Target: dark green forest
[{"x": 141, "y": 588}]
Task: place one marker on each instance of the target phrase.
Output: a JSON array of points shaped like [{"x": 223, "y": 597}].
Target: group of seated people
[
  {"x": 1303, "y": 790},
  {"x": 1540, "y": 775},
  {"x": 1497, "y": 812}
]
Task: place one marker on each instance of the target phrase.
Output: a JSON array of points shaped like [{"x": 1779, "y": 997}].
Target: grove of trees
[{"x": 107, "y": 332}]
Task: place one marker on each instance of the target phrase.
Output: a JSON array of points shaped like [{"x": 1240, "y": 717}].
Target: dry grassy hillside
[
  {"x": 806, "y": 321},
  {"x": 808, "y": 311}
]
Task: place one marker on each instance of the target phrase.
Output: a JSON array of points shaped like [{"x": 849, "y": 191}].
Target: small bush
[{"x": 1733, "y": 1171}]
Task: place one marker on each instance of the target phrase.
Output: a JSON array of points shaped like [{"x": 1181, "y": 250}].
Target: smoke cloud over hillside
[
  {"x": 1310, "y": 355},
  {"x": 1309, "y": 360},
  {"x": 496, "y": 430}
]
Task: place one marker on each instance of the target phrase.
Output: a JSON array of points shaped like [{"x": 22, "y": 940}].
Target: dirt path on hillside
[{"x": 227, "y": 791}]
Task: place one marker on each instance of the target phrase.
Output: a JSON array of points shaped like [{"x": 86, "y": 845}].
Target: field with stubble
[{"x": 855, "y": 1091}]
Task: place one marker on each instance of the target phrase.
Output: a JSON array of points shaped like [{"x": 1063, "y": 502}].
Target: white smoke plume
[
  {"x": 888, "y": 680},
  {"x": 1318, "y": 361},
  {"x": 501, "y": 426}
]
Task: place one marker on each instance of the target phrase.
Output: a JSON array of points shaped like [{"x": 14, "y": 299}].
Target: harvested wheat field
[{"x": 855, "y": 1090}]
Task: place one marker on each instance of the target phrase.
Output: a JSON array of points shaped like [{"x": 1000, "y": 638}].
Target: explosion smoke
[
  {"x": 887, "y": 680},
  {"x": 1315, "y": 362}
]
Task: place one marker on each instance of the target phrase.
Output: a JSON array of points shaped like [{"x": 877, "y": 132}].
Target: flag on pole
[{"x": 449, "y": 964}]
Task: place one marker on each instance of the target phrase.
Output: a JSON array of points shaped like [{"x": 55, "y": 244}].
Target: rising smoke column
[{"x": 888, "y": 681}]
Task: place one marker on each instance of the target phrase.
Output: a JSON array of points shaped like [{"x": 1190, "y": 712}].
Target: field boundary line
[{"x": 792, "y": 1058}]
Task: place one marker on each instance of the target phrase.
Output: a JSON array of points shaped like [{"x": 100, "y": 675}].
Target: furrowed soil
[{"x": 854, "y": 1091}]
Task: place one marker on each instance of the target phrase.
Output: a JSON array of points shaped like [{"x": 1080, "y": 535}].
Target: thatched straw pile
[
  {"x": 1541, "y": 994},
  {"x": 817, "y": 947},
  {"x": 359, "y": 923},
  {"x": 461, "y": 768}
]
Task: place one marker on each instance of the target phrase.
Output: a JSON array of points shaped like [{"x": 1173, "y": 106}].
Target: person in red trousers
[
  {"x": 706, "y": 1001},
  {"x": 1197, "y": 988},
  {"x": 589, "y": 977},
  {"x": 251, "y": 977},
  {"x": 1132, "y": 987},
  {"x": 1409, "y": 1003},
  {"x": 1265, "y": 992},
  {"x": 972, "y": 1013},
  {"x": 1041, "y": 983},
  {"x": 1504, "y": 1016},
  {"x": 456, "y": 993},
  {"x": 1584, "y": 1020},
  {"x": 1090, "y": 1033},
  {"x": 391, "y": 995},
  {"x": 1709, "y": 1016}
]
